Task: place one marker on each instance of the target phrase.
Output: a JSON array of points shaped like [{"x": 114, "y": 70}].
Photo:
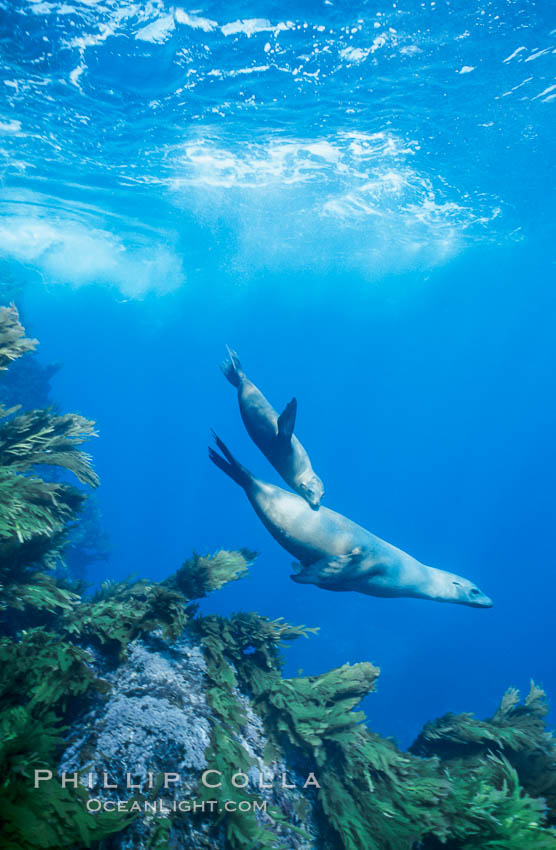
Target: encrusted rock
[{"x": 155, "y": 724}]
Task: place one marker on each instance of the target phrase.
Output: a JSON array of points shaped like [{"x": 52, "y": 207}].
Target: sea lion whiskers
[{"x": 450, "y": 587}]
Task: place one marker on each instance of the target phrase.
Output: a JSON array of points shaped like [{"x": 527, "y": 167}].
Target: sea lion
[
  {"x": 273, "y": 434},
  {"x": 336, "y": 553}
]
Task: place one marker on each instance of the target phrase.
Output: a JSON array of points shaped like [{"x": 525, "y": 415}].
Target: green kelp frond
[
  {"x": 379, "y": 798},
  {"x": 201, "y": 574},
  {"x": 35, "y": 514},
  {"x": 527, "y": 718},
  {"x": 39, "y": 676},
  {"x": 251, "y": 642},
  {"x": 41, "y": 437},
  {"x": 488, "y": 810},
  {"x": 121, "y": 611},
  {"x": 31, "y": 507},
  {"x": 285, "y": 631},
  {"x": 39, "y": 591},
  {"x": 222, "y": 640},
  {"x": 126, "y": 612},
  {"x": 457, "y": 735},
  {"x": 35, "y": 517},
  {"x": 48, "y": 817},
  {"x": 26, "y": 743},
  {"x": 52, "y": 818},
  {"x": 514, "y": 727},
  {"x": 13, "y": 342},
  {"x": 44, "y": 672},
  {"x": 372, "y": 795},
  {"x": 312, "y": 711},
  {"x": 226, "y": 754},
  {"x": 535, "y": 759},
  {"x": 375, "y": 797},
  {"x": 516, "y": 732}
]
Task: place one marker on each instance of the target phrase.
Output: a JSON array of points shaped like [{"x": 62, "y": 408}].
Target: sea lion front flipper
[
  {"x": 328, "y": 570},
  {"x": 286, "y": 421}
]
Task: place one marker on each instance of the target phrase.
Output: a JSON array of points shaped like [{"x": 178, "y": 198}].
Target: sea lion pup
[
  {"x": 273, "y": 434},
  {"x": 337, "y": 554}
]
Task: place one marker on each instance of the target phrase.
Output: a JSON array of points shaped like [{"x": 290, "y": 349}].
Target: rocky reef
[{"x": 128, "y": 720}]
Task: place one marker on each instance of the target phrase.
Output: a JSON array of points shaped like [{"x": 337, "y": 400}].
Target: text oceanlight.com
[
  {"x": 167, "y": 807},
  {"x": 210, "y": 779}
]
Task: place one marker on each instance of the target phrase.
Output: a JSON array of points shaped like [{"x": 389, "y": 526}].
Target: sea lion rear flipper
[
  {"x": 232, "y": 368},
  {"x": 286, "y": 421},
  {"x": 229, "y": 464}
]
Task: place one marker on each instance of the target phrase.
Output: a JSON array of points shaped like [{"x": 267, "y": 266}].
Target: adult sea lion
[
  {"x": 336, "y": 553},
  {"x": 273, "y": 434}
]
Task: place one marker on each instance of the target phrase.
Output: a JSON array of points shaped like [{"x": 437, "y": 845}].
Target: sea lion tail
[
  {"x": 229, "y": 464},
  {"x": 232, "y": 368}
]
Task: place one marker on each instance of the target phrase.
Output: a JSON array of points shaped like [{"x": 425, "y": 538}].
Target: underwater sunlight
[{"x": 318, "y": 240}]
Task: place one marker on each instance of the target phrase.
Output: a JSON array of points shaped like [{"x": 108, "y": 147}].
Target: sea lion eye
[{"x": 474, "y": 591}]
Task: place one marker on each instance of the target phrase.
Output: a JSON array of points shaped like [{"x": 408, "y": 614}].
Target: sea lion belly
[{"x": 306, "y": 534}]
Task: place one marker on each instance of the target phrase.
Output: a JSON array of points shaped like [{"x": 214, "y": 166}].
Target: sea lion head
[
  {"x": 466, "y": 593},
  {"x": 312, "y": 490}
]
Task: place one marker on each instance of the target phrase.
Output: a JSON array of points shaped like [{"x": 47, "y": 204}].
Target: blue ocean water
[{"x": 358, "y": 197}]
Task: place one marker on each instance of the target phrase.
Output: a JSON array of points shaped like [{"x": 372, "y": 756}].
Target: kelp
[
  {"x": 250, "y": 641},
  {"x": 160, "y": 835},
  {"x": 41, "y": 437},
  {"x": 48, "y": 817},
  {"x": 123, "y": 611},
  {"x": 315, "y": 710},
  {"x": 488, "y": 810},
  {"x": 126, "y": 612},
  {"x": 226, "y": 752},
  {"x": 36, "y": 517},
  {"x": 31, "y": 507},
  {"x": 514, "y": 728},
  {"x": 40, "y": 592},
  {"x": 44, "y": 672},
  {"x": 36, "y": 513},
  {"x": 516, "y": 733},
  {"x": 13, "y": 342},
  {"x": 200, "y": 574},
  {"x": 314, "y": 716},
  {"x": 41, "y": 673},
  {"x": 372, "y": 795}
]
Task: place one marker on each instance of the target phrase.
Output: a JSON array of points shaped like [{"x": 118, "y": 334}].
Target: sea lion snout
[
  {"x": 483, "y": 602},
  {"x": 312, "y": 491},
  {"x": 468, "y": 593},
  {"x": 478, "y": 599}
]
